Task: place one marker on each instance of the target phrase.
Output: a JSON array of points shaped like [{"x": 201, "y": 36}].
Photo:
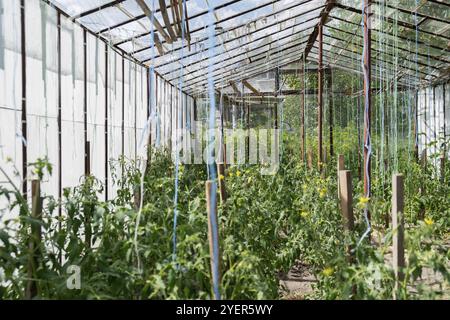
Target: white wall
[{"x": 434, "y": 120}]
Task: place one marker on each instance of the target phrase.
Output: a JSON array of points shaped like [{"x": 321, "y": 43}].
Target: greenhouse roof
[{"x": 253, "y": 37}]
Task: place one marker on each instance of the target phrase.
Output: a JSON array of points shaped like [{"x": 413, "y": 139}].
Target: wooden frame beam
[
  {"x": 250, "y": 87},
  {"x": 323, "y": 18},
  {"x": 165, "y": 16},
  {"x": 235, "y": 88},
  {"x": 152, "y": 18}
]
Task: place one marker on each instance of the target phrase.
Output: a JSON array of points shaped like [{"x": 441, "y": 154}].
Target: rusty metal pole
[
  {"x": 277, "y": 89},
  {"x": 320, "y": 100},
  {"x": 330, "y": 103},
  {"x": 367, "y": 97},
  {"x": 302, "y": 117}
]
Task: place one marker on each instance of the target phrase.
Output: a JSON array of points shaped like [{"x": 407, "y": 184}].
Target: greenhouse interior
[{"x": 225, "y": 149}]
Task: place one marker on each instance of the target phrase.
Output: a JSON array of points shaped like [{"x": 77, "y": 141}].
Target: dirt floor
[{"x": 298, "y": 282}]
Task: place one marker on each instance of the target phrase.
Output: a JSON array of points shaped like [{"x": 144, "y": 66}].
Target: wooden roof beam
[
  {"x": 153, "y": 20},
  {"x": 330, "y": 4},
  {"x": 250, "y": 87},
  {"x": 235, "y": 88}
]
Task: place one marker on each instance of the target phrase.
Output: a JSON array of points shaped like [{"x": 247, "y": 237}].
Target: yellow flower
[
  {"x": 428, "y": 221},
  {"x": 327, "y": 271},
  {"x": 304, "y": 214},
  {"x": 230, "y": 174},
  {"x": 322, "y": 192},
  {"x": 238, "y": 173},
  {"x": 363, "y": 200},
  {"x": 221, "y": 177}
]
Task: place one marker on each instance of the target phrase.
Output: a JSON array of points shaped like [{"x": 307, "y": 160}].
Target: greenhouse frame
[{"x": 134, "y": 142}]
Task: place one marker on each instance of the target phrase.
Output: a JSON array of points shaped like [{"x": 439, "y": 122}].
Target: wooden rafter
[
  {"x": 153, "y": 20},
  {"x": 177, "y": 16},
  {"x": 323, "y": 18},
  {"x": 165, "y": 16},
  {"x": 250, "y": 87},
  {"x": 235, "y": 88}
]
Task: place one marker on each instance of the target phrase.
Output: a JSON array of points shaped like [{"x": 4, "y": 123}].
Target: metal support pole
[
  {"x": 106, "y": 122},
  {"x": 302, "y": 117},
  {"x": 24, "y": 98},
  {"x": 123, "y": 113},
  {"x": 320, "y": 100},
  {"x": 277, "y": 89},
  {"x": 367, "y": 96},
  {"x": 86, "y": 145},
  {"x": 331, "y": 106},
  {"x": 58, "y": 25}
]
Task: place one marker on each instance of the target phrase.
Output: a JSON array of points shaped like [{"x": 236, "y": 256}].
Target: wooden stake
[
  {"x": 137, "y": 197},
  {"x": 310, "y": 159},
  {"x": 340, "y": 167},
  {"x": 398, "y": 250},
  {"x": 345, "y": 182},
  {"x": 221, "y": 172},
  {"x": 422, "y": 189},
  {"x": 213, "y": 233},
  {"x": 34, "y": 241}
]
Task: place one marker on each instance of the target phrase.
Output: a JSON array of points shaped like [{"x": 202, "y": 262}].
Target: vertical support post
[
  {"x": 310, "y": 159},
  {"x": 331, "y": 106},
  {"x": 58, "y": 25},
  {"x": 416, "y": 125},
  {"x": 398, "y": 250},
  {"x": 135, "y": 109},
  {"x": 221, "y": 179},
  {"x": 87, "y": 158},
  {"x": 320, "y": 100},
  {"x": 277, "y": 89},
  {"x": 367, "y": 97},
  {"x": 213, "y": 236},
  {"x": 148, "y": 112},
  {"x": 346, "y": 198},
  {"x": 422, "y": 187},
  {"x": 106, "y": 121},
  {"x": 248, "y": 133},
  {"x": 340, "y": 167},
  {"x": 34, "y": 241},
  {"x": 302, "y": 118},
  {"x": 24, "y": 98},
  {"x": 123, "y": 114}
]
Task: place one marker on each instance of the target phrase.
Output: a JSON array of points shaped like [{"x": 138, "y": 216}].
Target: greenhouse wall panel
[
  {"x": 42, "y": 90},
  {"x": 11, "y": 138}
]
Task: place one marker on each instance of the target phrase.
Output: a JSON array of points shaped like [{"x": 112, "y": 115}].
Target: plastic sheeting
[
  {"x": 104, "y": 100},
  {"x": 10, "y": 98},
  {"x": 433, "y": 120}
]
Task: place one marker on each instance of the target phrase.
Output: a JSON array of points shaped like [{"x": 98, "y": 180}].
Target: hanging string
[
  {"x": 210, "y": 162},
  {"x": 146, "y": 133},
  {"x": 367, "y": 144},
  {"x": 177, "y": 154}
]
